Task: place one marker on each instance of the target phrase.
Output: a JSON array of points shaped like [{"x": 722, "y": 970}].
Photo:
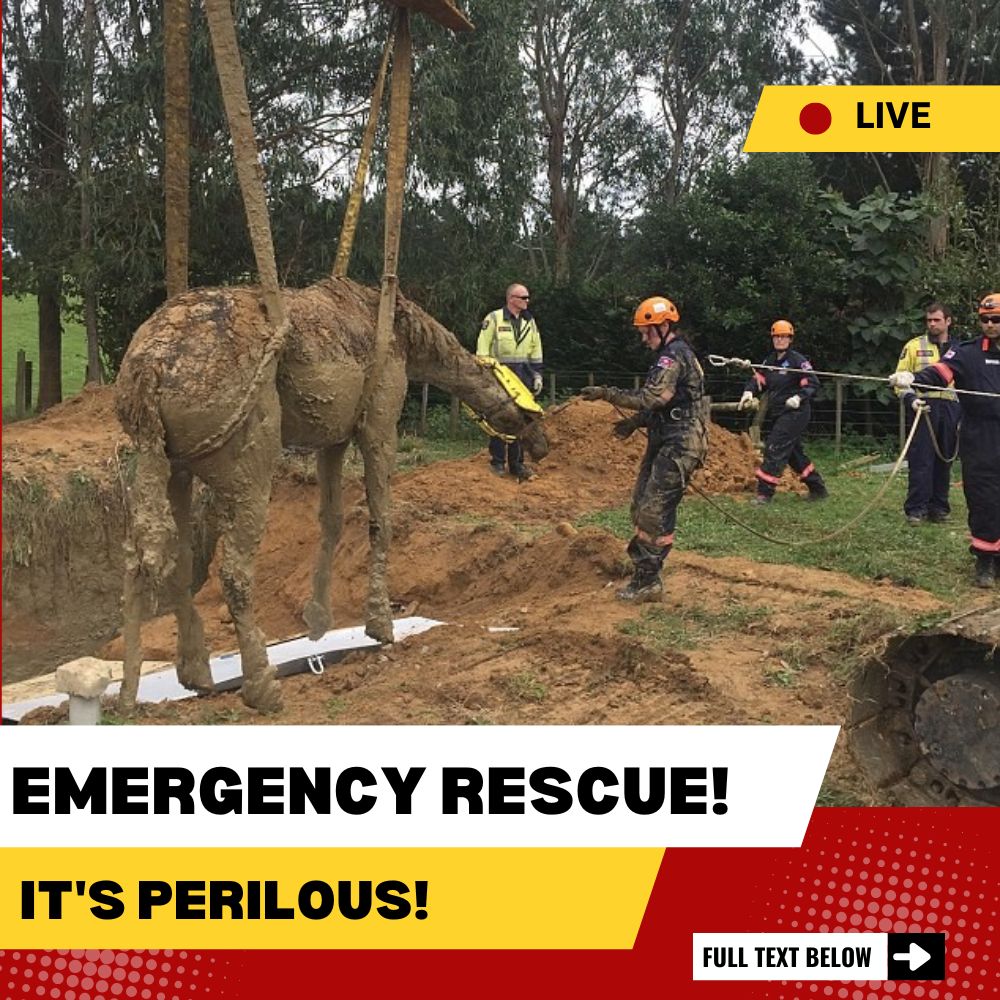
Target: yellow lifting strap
[{"x": 514, "y": 388}]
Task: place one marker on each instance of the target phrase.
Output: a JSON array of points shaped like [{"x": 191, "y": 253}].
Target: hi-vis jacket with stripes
[{"x": 514, "y": 342}]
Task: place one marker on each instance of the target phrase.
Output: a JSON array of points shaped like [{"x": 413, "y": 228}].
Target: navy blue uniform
[
  {"x": 794, "y": 377},
  {"x": 975, "y": 365}
]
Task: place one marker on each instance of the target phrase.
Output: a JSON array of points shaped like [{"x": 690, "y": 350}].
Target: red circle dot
[{"x": 815, "y": 118}]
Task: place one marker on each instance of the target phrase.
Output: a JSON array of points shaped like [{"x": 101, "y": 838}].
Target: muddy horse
[{"x": 208, "y": 390}]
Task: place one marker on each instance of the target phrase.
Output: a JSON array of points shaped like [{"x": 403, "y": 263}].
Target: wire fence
[{"x": 839, "y": 411}]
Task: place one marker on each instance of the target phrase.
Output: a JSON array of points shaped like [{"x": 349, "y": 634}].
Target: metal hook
[{"x": 316, "y": 664}]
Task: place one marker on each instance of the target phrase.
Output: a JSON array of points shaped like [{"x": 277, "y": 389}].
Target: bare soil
[{"x": 756, "y": 643}]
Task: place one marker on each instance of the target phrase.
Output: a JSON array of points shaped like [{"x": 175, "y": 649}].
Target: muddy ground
[{"x": 735, "y": 642}]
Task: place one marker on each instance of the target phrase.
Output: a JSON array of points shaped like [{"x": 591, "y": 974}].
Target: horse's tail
[{"x": 152, "y": 536}]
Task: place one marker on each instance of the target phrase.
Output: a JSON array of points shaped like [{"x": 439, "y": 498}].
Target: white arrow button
[{"x": 916, "y": 956}]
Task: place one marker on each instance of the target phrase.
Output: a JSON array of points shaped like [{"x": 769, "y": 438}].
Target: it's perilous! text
[{"x": 222, "y": 899}]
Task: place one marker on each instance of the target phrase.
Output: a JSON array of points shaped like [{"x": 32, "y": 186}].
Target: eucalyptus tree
[
  {"x": 580, "y": 57},
  {"x": 920, "y": 42},
  {"x": 706, "y": 63},
  {"x": 37, "y": 245}
]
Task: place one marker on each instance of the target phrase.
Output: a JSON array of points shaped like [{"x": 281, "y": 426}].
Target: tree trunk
[
  {"x": 937, "y": 176},
  {"x": 562, "y": 221},
  {"x": 49, "y": 341},
  {"x": 53, "y": 173},
  {"x": 94, "y": 374}
]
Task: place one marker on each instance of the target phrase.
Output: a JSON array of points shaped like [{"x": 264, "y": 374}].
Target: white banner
[{"x": 414, "y": 786}]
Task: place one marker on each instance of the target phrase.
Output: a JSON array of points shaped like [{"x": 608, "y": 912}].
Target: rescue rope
[
  {"x": 844, "y": 527},
  {"x": 935, "y": 444},
  {"x": 919, "y": 415},
  {"x": 719, "y": 361}
]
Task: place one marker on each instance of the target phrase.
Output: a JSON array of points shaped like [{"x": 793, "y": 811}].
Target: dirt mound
[{"x": 81, "y": 434}]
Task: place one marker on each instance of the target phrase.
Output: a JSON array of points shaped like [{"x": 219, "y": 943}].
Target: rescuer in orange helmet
[
  {"x": 671, "y": 405},
  {"x": 790, "y": 385}
]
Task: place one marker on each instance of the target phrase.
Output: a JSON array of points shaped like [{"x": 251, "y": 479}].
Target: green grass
[
  {"x": 880, "y": 547},
  {"x": 524, "y": 686},
  {"x": 20, "y": 332},
  {"x": 688, "y": 626}
]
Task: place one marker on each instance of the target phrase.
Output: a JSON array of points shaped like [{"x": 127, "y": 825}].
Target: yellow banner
[
  {"x": 329, "y": 898},
  {"x": 877, "y": 119}
]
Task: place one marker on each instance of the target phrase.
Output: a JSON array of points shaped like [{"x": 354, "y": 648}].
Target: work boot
[
  {"x": 641, "y": 590},
  {"x": 523, "y": 473},
  {"x": 938, "y": 517},
  {"x": 759, "y": 499},
  {"x": 497, "y": 469},
  {"x": 814, "y": 495},
  {"x": 986, "y": 572},
  {"x": 915, "y": 520}
]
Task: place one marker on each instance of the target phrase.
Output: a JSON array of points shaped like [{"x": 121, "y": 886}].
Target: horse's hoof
[
  {"x": 262, "y": 693},
  {"x": 380, "y": 629},
  {"x": 317, "y": 619},
  {"x": 195, "y": 673}
]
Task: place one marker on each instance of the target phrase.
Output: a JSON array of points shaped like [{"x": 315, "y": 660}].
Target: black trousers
[
  {"x": 929, "y": 477},
  {"x": 979, "y": 444},
  {"x": 503, "y": 452},
  {"x": 784, "y": 447}
]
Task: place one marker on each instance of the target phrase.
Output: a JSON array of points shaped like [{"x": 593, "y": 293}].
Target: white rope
[{"x": 718, "y": 361}]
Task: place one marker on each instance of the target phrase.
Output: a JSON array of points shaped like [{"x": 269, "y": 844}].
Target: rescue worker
[
  {"x": 929, "y": 473},
  {"x": 510, "y": 335},
  {"x": 790, "y": 388},
  {"x": 672, "y": 407},
  {"x": 973, "y": 365}
]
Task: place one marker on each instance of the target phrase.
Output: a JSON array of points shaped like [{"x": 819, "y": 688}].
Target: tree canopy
[{"x": 587, "y": 149}]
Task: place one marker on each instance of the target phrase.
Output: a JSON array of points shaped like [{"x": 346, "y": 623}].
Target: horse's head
[
  {"x": 498, "y": 400},
  {"x": 506, "y": 407}
]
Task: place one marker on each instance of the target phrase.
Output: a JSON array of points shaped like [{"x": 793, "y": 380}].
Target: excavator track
[{"x": 925, "y": 720}]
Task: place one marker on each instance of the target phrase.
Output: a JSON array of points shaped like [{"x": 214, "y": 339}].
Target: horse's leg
[
  {"x": 240, "y": 475},
  {"x": 131, "y": 630},
  {"x": 329, "y": 473},
  {"x": 377, "y": 438},
  {"x": 193, "y": 670}
]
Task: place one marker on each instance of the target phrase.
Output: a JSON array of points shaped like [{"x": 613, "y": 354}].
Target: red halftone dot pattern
[
  {"x": 815, "y": 119},
  {"x": 886, "y": 881},
  {"x": 105, "y": 975}
]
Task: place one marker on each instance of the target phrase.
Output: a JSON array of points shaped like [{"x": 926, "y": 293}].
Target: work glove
[
  {"x": 537, "y": 384},
  {"x": 919, "y": 405},
  {"x": 624, "y": 429},
  {"x": 592, "y": 392},
  {"x": 746, "y": 400},
  {"x": 901, "y": 380},
  {"x": 793, "y": 402}
]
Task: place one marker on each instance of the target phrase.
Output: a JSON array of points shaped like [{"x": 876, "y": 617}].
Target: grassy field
[
  {"x": 881, "y": 546},
  {"x": 20, "y": 332}
]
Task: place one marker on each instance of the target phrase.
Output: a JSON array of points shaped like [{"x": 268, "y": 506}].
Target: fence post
[
  {"x": 838, "y": 418},
  {"x": 27, "y": 386},
  {"x": 423, "y": 409},
  {"x": 635, "y": 382},
  {"x": 590, "y": 378},
  {"x": 453, "y": 417},
  {"x": 552, "y": 389},
  {"x": 19, "y": 407}
]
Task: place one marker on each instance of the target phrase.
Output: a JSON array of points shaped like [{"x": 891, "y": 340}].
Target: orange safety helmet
[
  {"x": 654, "y": 311},
  {"x": 782, "y": 328},
  {"x": 990, "y": 305}
]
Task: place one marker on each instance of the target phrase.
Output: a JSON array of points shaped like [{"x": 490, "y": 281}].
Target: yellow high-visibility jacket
[
  {"x": 521, "y": 351},
  {"x": 920, "y": 353}
]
